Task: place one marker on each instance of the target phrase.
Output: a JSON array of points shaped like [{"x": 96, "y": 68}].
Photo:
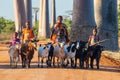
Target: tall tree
[
  {"x": 28, "y": 10},
  {"x": 19, "y": 14},
  {"x": 53, "y": 18},
  {"x": 107, "y": 24},
  {"x": 45, "y": 20},
  {"x": 83, "y": 20},
  {"x": 40, "y": 19},
  {"x": 35, "y": 9},
  {"x": 119, "y": 17}
]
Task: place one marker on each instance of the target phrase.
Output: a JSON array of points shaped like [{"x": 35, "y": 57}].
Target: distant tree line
[{"x": 6, "y": 25}]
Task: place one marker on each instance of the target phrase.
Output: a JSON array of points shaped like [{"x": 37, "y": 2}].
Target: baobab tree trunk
[
  {"x": 106, "y": 20},
  {"x": 40, "y": 19},
  {"x": 45, "y": 20},
  {"x": 28, "y": 10},
  {"x": 19, "y": 14},
  {"x": 83, "y": 20},
  {"x": 53, "y": 18},
  {"x": 35, "y": 10}
]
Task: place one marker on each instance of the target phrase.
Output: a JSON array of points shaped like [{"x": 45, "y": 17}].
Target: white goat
[
  {"x": 14, "y": 55},
  {"x": 70, "y": 52},
  {"x": 59, "y": 53},
  {"x": 43, "y": 52}
]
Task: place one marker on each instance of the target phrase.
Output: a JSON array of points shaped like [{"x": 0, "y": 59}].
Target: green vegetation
[
  {"x": 68, "y": 22},
  {"x": 35, "y": 28},
  {"x": 6, "y": 26}
]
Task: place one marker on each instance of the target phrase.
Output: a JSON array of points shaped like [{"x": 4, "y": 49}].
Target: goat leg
[
  {"x": 38, "y": 61},
  {"x": 91, "y": 62},
  {"x": 75, "y": 62},
  {"x": 54, "y": 61},
  {"x": 42, "y": 63}
]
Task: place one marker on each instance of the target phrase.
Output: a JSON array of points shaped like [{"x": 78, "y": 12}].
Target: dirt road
[{"x": 109, "y": 70}]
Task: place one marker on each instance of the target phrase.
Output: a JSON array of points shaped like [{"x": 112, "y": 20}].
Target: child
[
  {"x": 93, "y": 38},
  {"x": 14, "y": 40},
  {"x": 27, "y": 33}
]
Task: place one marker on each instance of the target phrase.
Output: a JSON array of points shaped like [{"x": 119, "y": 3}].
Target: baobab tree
[
  {"x": 107, "y": 24},
  {"x": 53, "y": 18},
  {"x": 28, "y": 10},
  {"x": 40, "y": 19},
  {"x": 35, "y": 9},
  {"x": 83, "y": 20},
  {"x": 45, "y": 29},
  {"x": 19, "y": 14}
]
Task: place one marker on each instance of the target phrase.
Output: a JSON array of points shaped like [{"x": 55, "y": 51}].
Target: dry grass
[
  {"x": 44, "y": 39},
  {"x": 114, "y": 55},
  {"x": 5, "y": 37}
]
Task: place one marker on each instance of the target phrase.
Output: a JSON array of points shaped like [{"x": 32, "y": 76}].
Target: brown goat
[{"x": 27, "y": 52}]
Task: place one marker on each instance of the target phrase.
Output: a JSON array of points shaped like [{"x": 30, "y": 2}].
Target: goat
[
  {"x": 43, "y": 52},
  {"x": 94, "y": 53},
  {"x": 59, "y": 53},
  {"x": 70, "y": 52},
  {"x": 27, "y": 52},
  {"x": 80, "y": 53},
  {"x": 50, "y": 55},
  {"x": 14, "y": 55}
]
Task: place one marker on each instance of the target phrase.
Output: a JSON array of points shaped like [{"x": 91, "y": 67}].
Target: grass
[
  {"x": 43, "y": 39},
  {"x": 5, "y": 37},
  {"x": 114, "y": 55}
]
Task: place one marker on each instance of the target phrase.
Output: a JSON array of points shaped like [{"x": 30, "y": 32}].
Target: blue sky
[{"x": 6, "y": 7}]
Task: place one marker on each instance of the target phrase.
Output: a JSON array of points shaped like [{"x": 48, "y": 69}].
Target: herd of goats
[{"x": 55, "y": 55}]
